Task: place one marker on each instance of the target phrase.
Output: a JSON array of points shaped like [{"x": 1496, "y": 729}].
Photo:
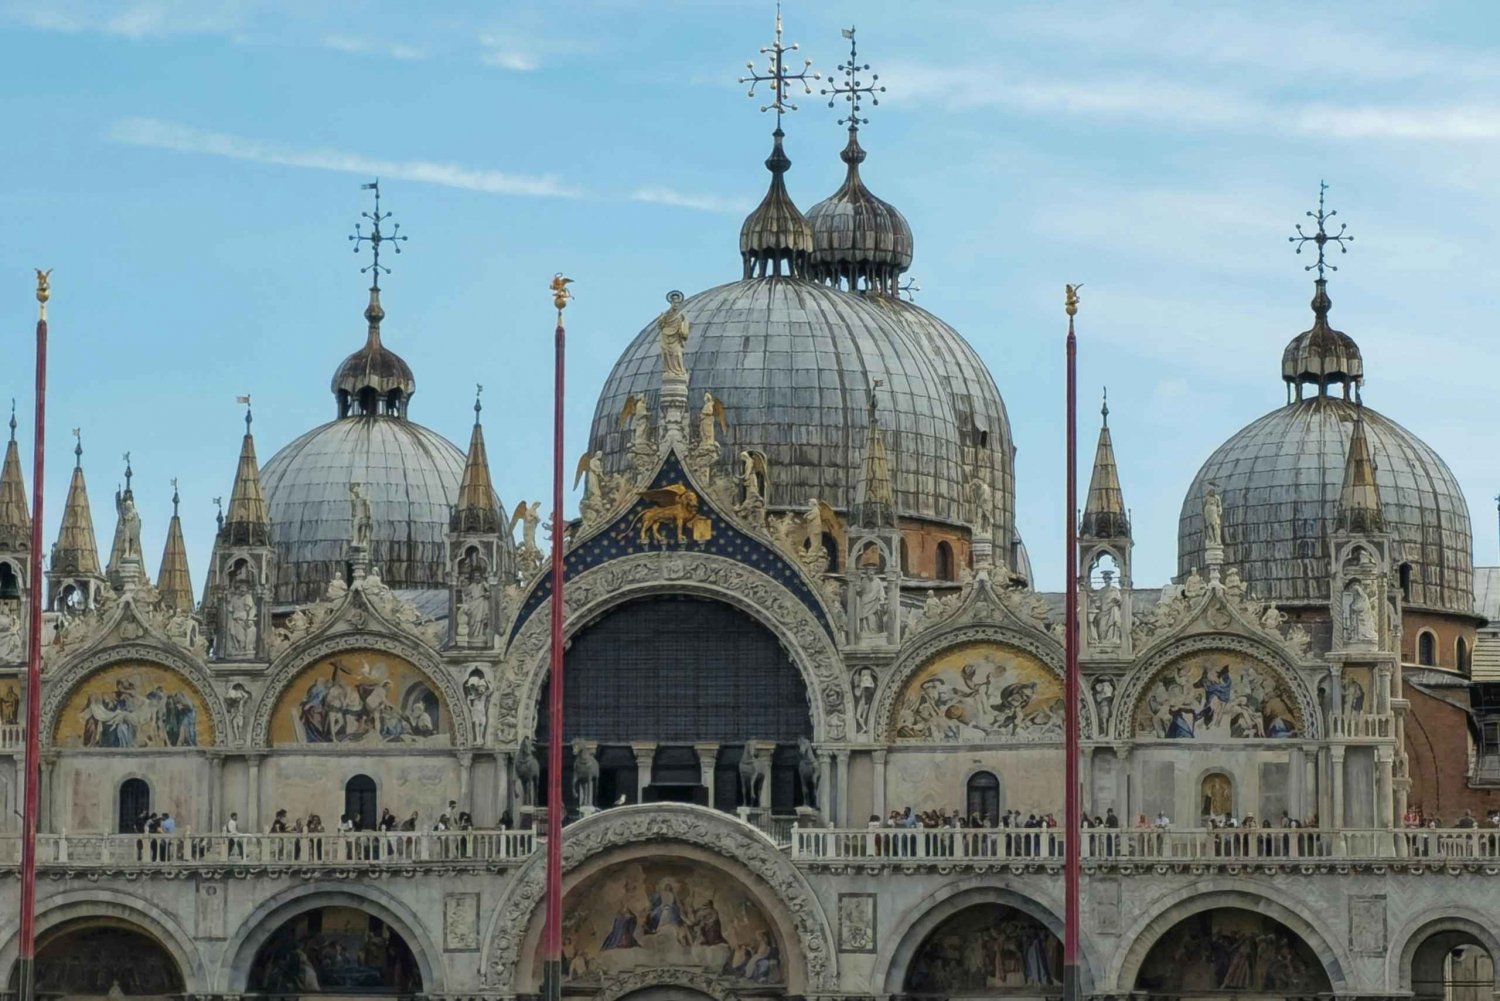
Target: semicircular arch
[
  {"x": 1039, "y": 662},
  {"x": 1212, "y": 894},
  {"x": 239, "y": 955},
  {"x": 289, "y": 667},
  {"x": 644, "y": 575},
  {"x": 61, "y": 688},
  {"x": 925, "y": 917},
  {"x": 1137, "y": 684},
  {"x": 637, "y": 832},
  {"x": 1416, "y": 932}
]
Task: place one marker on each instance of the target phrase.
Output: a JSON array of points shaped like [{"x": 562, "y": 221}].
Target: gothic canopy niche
[
  {"x": 977, "y": 685},
  {"x": 1216, "y": 693},
  {"x": 699, "y": 575},
  {"x": 132, "y": 697},
  {"x": 361, "y": 698},
  {"x": 691, "y": 876}
]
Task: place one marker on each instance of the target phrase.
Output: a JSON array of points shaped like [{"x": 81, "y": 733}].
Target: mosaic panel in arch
[
  {"x": 134, "y": 706},
  {"x": 987, "y": 949},
  {"x": 1217, "y": 695},
  {"x": 104, "y": 960},
  {"x": 361, "y": 698},
  {"x": 335, "y": 950},
  {"x": 653, "y": 914},
  {"x": 1231, "y": 951},
  {"x": 980, "y": 692}
]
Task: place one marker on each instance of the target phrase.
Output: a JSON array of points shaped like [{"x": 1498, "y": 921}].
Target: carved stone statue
[
  {"x": 636, "y": 413},
  {"x": 808, "y": 772},
  {"x": 11, "y": 647},
  {"x": 864, "y": 698},
  {"x": 1193, "y": 587},
  {"x": 872, "y": 605},
  {"x": 474, "y": 611},
  {"x": 1104, "y": 701},
  {"x": 477, "y": 690},
  {"x": 585, "y": 775},
  {"x": 1106, "y": 622},
  {"x": 672, "y": 328},
  {"x": 527, "y": 771},
  {"x": 237, "y": 701},
  {"x": 1359, "y": 614},
  {"x": 755, "y": 484},
  {"x": 591, "y": 470},
  {"x": 1213, "y": 518},
  {"x": 982, "y": 496},
  {"x": 243, "y": 626},
  {"x": 130, "y": 521},
  {"x": 362, "y": 519}
]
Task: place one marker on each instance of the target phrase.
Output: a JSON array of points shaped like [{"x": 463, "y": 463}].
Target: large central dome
[{"x": 794, "y": 363}]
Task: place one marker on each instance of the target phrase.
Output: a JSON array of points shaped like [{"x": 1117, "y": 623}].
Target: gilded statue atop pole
[{"x": 672, "y": 327}]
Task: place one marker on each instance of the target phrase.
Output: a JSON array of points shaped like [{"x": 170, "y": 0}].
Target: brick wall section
[{"x": 1437, "y": 748}]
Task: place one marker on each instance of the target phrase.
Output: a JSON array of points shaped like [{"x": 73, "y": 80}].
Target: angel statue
[
  {"x": 591, "y": 472},
  {"x": 711, "y": 412},
  {"x": 672, "y": 327},
  {"x": 983, "y": 497},
  {"x": 755, "y": 484},
  {"x": 529, "y": 518},
  {"x": 637, "y": 414}
]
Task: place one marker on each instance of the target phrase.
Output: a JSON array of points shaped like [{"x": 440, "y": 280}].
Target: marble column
[
  {"x": 877, "y": 790},
  {"x": 841, "y": 759},
  {"x": 1382, "y": 689},
  {"x": 1384, "y": 793},
  {"x": 47, "y": 813},
  {"x": 708, "y": 756},
  {"x": 1085, "y": 783},
  {"x": 503, "y": 805},
  {"x": 215, "y": 819},
  {"x": 1325, "y": 787},
  {"x": 465, "y": 778},
  {"x": 1296, "y": 784},
  {"x": 825, "y": 785},
  {"x": 252, "y": 796},
  {"x": 645, "y": 753},
  {"x": 1336, "y": 763}
]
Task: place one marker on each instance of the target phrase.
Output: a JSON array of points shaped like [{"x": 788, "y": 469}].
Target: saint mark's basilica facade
[{"x": 799, "y": 610}]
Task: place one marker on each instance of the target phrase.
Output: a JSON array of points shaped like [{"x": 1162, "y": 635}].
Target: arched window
[
  {"x": 831, "y": 548},
  {"x": 983, "y": 798},
  {"x": 1426, "y": 648},
  {"x": 10, "y": 581},
  {"x": 359, "y": 802},
  {"x": 944, "y": 562},
  {"x": 1461, "y": 652},
  {"x": 135, "y": 805}
]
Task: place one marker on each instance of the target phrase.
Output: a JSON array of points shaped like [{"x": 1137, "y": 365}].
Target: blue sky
[{"x": 191, "y": 170}]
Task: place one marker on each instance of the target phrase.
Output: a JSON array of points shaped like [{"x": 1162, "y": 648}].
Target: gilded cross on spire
[
  {"x": 1322, "y": 237},
  {"x": 778, "y": 76},
  {"x": 853, "y": 86},
  {"x": 375, "y": 237}
]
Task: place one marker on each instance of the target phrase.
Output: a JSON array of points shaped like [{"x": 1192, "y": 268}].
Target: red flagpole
[
  {"x": 26, "y": 952},
  {"x": 552, "y": 967},
  {"x": 1073, "y": 812}
]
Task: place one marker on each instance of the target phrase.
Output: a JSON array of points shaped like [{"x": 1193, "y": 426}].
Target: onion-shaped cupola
[
  {"x": 776, "y": 238},
  {"x": 374, "y": 381},
  {"x": 859, "y": 241}
]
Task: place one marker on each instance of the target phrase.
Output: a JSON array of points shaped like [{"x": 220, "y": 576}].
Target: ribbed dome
[
  {"x": 1279, "y": 480},
  {"x": 978, "y": 410},
  {"x": 859, "y": 240},
  {"x": 409, "y": 474},
  {"x": 793, "y": 363}
]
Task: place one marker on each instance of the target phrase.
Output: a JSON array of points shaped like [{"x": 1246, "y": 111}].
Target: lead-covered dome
[
  {"x": 859, "y": 240},
  {"x": 1279, "y": 481},
  {"x": 793, "y": 362}
]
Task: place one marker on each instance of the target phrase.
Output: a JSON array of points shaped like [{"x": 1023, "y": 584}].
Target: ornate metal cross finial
[
  {"x": 1104, "y": 408},
  {"x": 854, "y": 86},
  {"x": 249, "y": 414},
  {"x": 1322, "y": 237},
  {"x": 78, "y": 447},
  {"x": 219, "y": 503},
  {"x": 375, "y": 237},
  {"x": 128, "y": 471},
  {"x": 778, "y": 76},
  {"x": 910, "y": 288}
]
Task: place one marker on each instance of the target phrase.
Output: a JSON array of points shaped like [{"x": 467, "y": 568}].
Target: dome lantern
[
  {"x": 1322, "y": 356},
  {"x": 374, "y": 380}
]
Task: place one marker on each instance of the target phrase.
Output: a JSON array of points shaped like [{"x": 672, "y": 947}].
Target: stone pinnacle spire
[
  {"x": 874, "y": 499},
  {"x": 1104, "y": 515},
  {"x": 76, "y": 551},
  {"x": 15, "y": 517},
  {"x": 246, "y": 523},
  {"x": 173, "y": 582},
  {"x": 1359, "y": 498},
  {"x": 476, "y": 510}
]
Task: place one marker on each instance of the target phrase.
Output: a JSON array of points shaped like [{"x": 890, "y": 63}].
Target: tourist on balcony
[{"x": 232, "y": 832}]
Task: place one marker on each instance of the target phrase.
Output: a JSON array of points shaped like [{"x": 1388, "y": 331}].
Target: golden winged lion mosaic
[{"x": 676, "y": 505}]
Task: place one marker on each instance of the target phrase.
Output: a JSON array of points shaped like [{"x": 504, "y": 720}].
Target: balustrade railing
[
  {"x": 1243, "y": 844},
  {"x": 370, "y": 848},
  {"x": 12, "y": 735},
  {"x": 1361, "y": 725}
]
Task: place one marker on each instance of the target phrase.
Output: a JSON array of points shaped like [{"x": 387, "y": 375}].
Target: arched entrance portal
[
  {"x": 670, "y": 689},
  {"x": 103, "y": 957},
  {"x": 335, "y": 950},
  {"x": 1452, "y": 965},
  {"x": 986, "y": 950},
  {"x": 1229, "y": 950}
]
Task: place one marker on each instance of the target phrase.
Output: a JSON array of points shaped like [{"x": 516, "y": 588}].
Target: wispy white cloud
[
  {"x": 356, "y": 45},
  {"x": 680, "y": 199},
  {"x": 159, "y": 134},
  {"x": 522, "y": 51},
  {"x": 137, "y": 19}
]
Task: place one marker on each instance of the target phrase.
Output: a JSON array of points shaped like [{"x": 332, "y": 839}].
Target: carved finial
[
  {"x": 219, "y": 503},
  {"x": 175, "y": 498},
  {"x": 1322, "y": 237},
  {"x": 777, "y": 76},
  {"x": 78, "y": 447},
  {"x": 43, "y": 291},
  {"x": 1070, "y": 301},
  {"x": 854, "y": 87},
  {"x": 128, "y": 472},
  {"x": 249, "y": 417},
  {"x": 560, "y": 292},
  {"x": 478, "y": 392},
  {"x": 375, "y": 237},
  {"x": 1104, "y": 408},
  {"x": 12, "y": 418}
]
